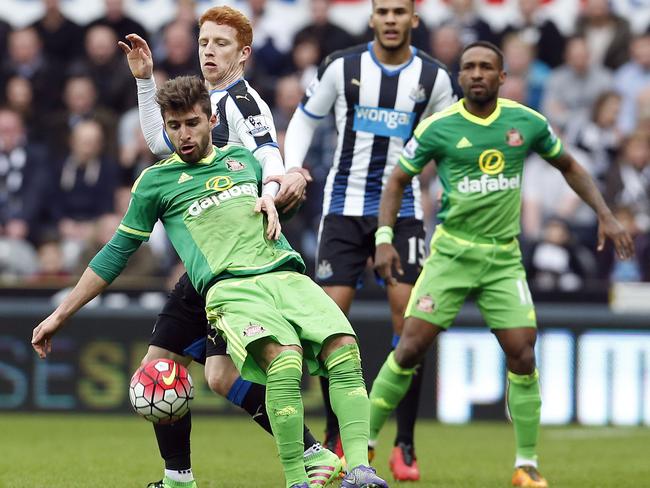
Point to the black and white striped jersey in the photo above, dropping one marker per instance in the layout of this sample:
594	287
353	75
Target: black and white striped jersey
243	118
376	108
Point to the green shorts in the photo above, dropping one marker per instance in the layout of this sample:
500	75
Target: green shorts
285	306
459	266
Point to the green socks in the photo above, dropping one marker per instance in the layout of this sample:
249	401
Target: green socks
525	404
389	388
350	402
285	411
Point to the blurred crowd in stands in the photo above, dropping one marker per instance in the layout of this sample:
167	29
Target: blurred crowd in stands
70	143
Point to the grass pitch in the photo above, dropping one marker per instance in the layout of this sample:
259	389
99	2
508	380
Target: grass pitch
73	451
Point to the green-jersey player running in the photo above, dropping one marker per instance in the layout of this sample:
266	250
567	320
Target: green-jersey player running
479	145
207	200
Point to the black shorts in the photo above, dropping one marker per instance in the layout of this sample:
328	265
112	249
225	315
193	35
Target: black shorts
346	243
182	328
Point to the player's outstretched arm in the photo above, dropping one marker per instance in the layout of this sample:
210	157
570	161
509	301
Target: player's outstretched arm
608	227
140	60
386	256
88	287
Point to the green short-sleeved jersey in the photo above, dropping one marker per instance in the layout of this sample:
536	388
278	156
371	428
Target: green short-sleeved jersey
207	209
480	163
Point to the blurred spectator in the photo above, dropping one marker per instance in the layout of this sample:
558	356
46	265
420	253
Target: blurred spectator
288	94
141	264
135	155
598	136
537	30
51	262
329	37
305	55
557	261
607	34
631	78
25	58
573	87
80	103
271	45
628	182
115	18
546	194
446	48
18	259
515	88
19	97
24	179
106	66
87	182
180	51
62	38
519	57
463	16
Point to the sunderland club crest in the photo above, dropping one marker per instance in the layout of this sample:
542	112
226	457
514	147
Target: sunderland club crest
514	138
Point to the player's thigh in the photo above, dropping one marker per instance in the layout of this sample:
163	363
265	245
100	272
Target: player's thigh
156	352
504	298
344	246
314	315
181	324
220	373
245	311
410	245
341	295
441	289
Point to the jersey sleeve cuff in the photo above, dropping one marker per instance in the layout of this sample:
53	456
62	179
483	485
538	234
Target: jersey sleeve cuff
408	167
310	114
555	151
133	233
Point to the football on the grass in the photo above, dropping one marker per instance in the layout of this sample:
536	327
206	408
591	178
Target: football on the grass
161	391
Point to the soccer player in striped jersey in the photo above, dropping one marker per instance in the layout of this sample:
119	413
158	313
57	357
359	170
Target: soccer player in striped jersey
479	145
379	92
243	119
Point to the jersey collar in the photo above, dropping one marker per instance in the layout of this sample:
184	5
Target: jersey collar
388	72
206	160
478	120
228	87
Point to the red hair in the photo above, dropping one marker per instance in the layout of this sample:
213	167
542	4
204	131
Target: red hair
234	18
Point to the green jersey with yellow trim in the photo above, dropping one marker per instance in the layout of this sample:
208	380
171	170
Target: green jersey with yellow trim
207	209
480	163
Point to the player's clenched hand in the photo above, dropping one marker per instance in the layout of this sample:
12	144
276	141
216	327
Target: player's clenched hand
138	56
273	228
42	335
292	188
385	258
610	228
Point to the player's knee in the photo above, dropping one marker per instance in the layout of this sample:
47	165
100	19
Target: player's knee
334	343
218	382
522	361
410	352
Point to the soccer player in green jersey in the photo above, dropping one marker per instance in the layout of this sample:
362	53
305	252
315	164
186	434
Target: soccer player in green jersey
207	200
479	145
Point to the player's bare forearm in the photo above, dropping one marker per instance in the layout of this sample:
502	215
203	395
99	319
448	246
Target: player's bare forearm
88	287
581	183
391	197
584	186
